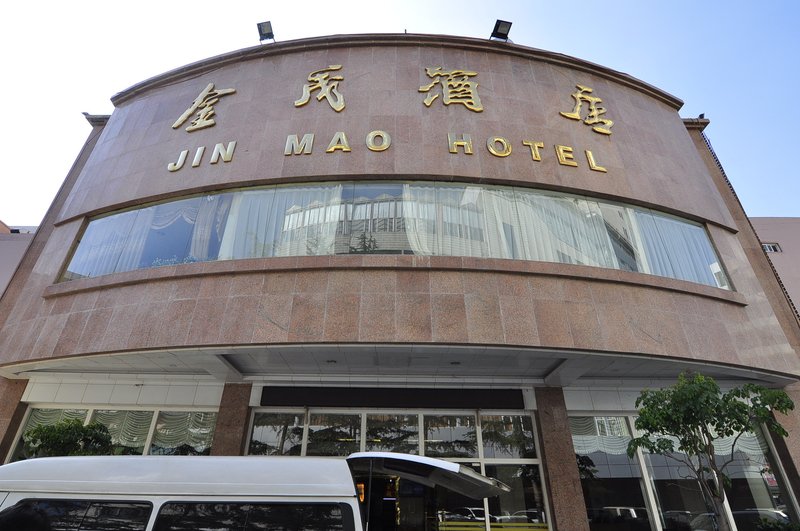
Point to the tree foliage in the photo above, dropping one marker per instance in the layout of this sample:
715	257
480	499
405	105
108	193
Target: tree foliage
683	421
68	437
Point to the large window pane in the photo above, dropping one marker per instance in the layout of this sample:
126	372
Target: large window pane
755	491
277	434
332	434
523	506
45	417
393	433
304	219
128	429
183	433
450	436
679	249
507	436
424	218
611	481
373	220
101	246
563	228
624	236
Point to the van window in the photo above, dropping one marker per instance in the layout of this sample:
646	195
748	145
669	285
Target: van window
94	515
233	516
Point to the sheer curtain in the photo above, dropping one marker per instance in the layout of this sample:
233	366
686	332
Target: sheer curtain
424	218
419	213
101	245
563	228
678	249
128	429
209	224
248	233
183	433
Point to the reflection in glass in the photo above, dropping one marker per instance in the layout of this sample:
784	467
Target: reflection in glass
333	434
507	436
450	436
128	429
95	515
191	516
277	434
393	433
183	433
423	218
523	506
45	417
611	481
754	492
623	233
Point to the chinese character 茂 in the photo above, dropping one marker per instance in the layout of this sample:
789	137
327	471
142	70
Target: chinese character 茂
456	88
593	118
203	105
327	85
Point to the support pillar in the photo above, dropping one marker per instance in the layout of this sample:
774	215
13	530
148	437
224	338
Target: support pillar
788	448
12	411
568	512
230	433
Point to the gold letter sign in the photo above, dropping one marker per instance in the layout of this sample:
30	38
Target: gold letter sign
457	88
204	106
327	86
583	95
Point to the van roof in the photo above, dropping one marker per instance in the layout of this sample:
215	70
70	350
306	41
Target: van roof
181	475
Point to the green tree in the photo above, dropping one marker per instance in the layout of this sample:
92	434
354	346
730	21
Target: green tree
68	437
683	421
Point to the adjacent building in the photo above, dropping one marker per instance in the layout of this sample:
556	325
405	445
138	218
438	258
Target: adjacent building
780	239
13	243
445	246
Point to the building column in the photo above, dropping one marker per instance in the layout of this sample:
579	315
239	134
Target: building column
568	510
788	448
12	410
230	433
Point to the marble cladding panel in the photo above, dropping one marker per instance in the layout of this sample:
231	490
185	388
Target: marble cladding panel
409	305
649	156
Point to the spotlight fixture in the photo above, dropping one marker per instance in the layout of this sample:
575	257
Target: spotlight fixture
265	31
501	29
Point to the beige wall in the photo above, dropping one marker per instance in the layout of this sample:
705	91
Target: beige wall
786	233
12	247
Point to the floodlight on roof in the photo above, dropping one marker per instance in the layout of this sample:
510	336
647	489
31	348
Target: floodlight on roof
501	30
265	31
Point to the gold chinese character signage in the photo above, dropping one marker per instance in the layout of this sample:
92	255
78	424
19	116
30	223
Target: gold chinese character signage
456	86
593	116
203	105
327	85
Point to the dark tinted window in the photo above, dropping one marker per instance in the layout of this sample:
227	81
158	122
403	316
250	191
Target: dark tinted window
94	515
228	516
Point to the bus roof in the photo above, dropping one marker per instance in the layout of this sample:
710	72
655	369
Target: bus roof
181	475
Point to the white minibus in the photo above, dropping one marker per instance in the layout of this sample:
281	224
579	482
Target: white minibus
182	493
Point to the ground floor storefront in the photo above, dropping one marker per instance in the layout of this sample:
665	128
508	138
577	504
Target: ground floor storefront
561	450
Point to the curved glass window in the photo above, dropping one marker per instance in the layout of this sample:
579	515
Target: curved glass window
421	218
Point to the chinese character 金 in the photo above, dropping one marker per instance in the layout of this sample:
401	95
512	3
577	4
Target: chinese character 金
203	105
456	88
327	85
595	111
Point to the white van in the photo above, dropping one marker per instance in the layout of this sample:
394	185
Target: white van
137	493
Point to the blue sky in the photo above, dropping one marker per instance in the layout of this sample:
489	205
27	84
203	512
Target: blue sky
735	61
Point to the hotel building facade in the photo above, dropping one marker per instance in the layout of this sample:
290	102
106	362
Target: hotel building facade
443	246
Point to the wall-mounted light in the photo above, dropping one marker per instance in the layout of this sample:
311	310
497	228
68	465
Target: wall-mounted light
501	30
265	31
